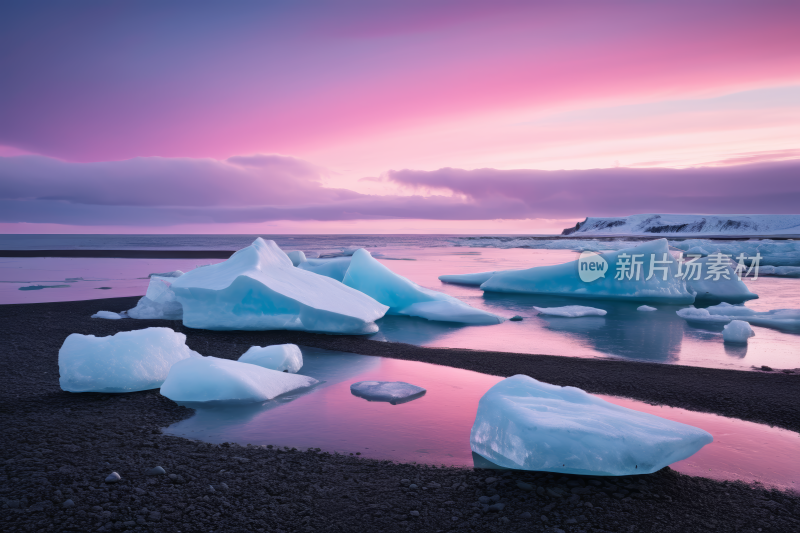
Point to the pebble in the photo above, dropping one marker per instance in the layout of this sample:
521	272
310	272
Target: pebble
155	471
484	499
515	318
497	507
495	497
113	477
414	513
412	486
490	480
67	504
526	514
543	518
524	486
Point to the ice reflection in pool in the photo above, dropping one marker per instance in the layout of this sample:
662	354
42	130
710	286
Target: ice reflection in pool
435	428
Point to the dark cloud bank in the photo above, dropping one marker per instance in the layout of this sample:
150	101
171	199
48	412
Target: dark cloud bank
166	191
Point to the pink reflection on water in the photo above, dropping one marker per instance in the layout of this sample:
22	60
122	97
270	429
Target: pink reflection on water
741	450
435	429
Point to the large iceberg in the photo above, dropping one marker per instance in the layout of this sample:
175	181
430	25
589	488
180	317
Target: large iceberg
334	268
715	279
737	332
529	425
159	302
209	379
624	277
785	319
394	392
126	362
280	357
405	297
258	288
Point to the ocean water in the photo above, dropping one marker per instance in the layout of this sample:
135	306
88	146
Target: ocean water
435	428
624	333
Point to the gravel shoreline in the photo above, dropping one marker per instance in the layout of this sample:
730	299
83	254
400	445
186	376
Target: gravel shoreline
57	449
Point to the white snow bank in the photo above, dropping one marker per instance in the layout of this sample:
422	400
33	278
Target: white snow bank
404	297
737	331
108	315
159	302
126	362
646	308
571	311
259	289
297	257
565	280
723	313
393	392
529	425
687	224
334	268
280	357
209	379
475	279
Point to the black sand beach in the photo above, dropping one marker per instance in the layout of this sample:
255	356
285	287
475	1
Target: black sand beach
59	447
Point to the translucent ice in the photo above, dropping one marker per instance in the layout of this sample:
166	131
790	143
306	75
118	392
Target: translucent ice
571	311
173	274
528	425
646	308
280	357
297	257
619	283
209	379
786	319
724	287
108	315
475	279
405	297
737	331
333	268
259	289
393	392
126	362
159	302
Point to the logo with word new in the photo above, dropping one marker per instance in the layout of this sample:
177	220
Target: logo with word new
591	266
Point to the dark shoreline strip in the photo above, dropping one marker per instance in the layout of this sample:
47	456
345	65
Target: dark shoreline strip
122	254
769	398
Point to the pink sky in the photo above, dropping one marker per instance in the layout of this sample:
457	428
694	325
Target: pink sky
359	90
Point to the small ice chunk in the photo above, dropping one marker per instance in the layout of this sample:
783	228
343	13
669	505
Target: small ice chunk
646	308
525	424
737	332
784	319
159	302
280	357
571	311
259	289
404	297
126	362
393	392
109	315
113	477
209	379
173	274
297	257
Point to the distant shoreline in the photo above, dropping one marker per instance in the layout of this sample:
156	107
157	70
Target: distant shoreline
123	254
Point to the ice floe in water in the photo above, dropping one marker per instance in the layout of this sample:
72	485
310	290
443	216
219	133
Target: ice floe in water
126	362
788	319
529	425
280	357
781	271
333	268
714	278
209	379
393	392
159	302
475	279
108	315
737	332
297	257
258	288
646	308
404	297
571	311
632	285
